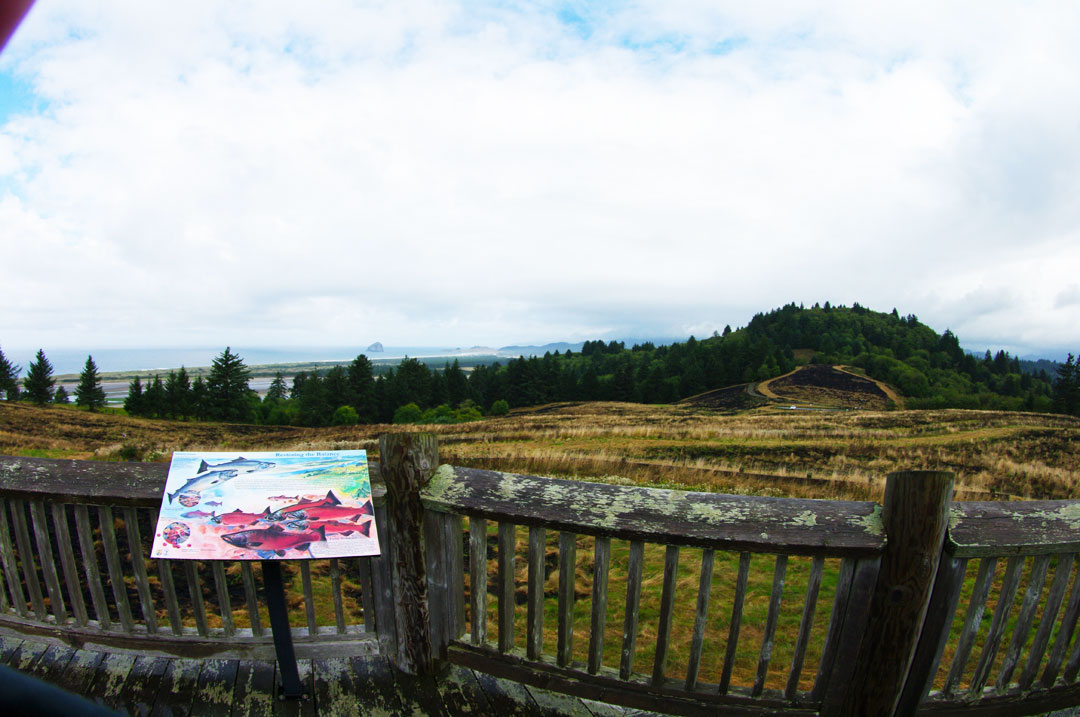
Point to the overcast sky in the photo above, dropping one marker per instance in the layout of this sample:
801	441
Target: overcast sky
432	173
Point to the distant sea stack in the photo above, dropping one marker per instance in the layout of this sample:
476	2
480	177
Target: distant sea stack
376	347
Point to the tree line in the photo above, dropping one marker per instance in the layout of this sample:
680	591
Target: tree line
931	370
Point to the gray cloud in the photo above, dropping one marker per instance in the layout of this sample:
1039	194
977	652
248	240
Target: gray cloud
432	173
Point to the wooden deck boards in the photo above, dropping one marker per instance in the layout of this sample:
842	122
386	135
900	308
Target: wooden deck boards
147	685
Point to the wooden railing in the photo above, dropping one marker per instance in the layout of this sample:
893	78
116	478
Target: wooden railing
75	541
666	600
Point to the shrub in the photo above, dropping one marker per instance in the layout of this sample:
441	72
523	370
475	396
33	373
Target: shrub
409	413
345	416
500	408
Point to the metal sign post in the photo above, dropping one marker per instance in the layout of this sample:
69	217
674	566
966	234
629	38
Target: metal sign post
279	626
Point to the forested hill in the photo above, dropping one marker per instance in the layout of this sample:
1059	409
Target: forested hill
929	369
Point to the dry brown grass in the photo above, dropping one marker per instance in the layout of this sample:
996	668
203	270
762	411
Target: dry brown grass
806	454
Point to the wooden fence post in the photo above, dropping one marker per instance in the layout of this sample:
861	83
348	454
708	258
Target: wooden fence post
406	463
915	517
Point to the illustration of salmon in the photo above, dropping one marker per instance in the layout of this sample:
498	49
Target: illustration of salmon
196	514
330	527
283	497
213	502
329	508
241	465
239	517
204	480
274	539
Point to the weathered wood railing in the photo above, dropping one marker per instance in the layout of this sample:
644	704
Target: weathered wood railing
678	602
75	542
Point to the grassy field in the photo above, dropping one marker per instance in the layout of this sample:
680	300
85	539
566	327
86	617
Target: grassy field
844	454
767	451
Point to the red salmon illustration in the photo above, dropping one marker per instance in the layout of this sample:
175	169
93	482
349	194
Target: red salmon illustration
331	527
239	517
274	539
329	508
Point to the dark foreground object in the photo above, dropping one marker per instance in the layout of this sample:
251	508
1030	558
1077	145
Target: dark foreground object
144	685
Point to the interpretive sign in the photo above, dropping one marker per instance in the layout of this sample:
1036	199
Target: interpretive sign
283	505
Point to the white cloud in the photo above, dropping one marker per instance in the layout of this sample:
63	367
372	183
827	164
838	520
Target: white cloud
267	173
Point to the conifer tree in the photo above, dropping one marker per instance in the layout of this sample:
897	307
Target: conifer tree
61	395
178	394
278	391
39	380
134	404
89	392
9	377
227	388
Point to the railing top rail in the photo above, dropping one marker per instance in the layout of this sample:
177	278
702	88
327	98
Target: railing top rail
95	482
977	528
1037	527
70	481
726	522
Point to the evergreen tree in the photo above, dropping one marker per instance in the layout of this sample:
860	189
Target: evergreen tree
178	394
39	380
134	403
362	386
61	395
456	387
200	399
278	391
89	392
154	399
227	388
1067	388
9	377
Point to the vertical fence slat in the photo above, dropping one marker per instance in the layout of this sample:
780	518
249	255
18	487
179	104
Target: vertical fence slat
601	561
736	621
172	605
835	629
936	630
770	625
138	564
507	536
1048	620
309	597
534	638
385	624
454	540
367	593
7	553
667	609
813	585
1009	585
67	561
168	588
972	619
251	597
435	570
48	560
116	574
633	602
198	607
857	616
90	564
567	564
335	590
26	556
478	580
221	583
1024	621
1073	666
1068	625
5	604
697	641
